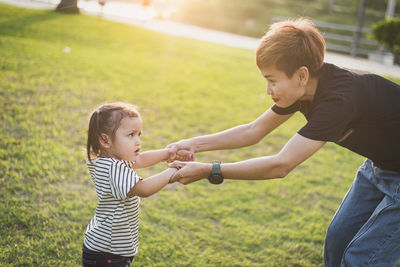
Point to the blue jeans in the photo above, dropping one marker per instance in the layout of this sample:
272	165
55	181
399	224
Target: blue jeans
365	230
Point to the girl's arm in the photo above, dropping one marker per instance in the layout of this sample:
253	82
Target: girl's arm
236	137
152	157
149	158
153	184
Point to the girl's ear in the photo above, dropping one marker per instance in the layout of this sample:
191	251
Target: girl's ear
105	140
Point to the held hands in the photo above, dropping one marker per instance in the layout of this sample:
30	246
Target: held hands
181	150
189	172
182	155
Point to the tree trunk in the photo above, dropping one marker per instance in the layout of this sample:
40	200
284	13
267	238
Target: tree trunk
68	6
331	3
360	23
391	6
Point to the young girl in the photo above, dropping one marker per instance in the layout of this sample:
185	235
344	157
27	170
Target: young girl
111	238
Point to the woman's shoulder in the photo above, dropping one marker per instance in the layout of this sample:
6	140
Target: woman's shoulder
332	76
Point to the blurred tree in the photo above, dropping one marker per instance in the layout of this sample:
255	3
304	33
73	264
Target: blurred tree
68	6
360	23
390	8
387	32
331	4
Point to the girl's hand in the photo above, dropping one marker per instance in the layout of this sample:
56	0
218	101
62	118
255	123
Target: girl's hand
172	171
190	171
182	155
183	151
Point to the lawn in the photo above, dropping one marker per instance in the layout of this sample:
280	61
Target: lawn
183	88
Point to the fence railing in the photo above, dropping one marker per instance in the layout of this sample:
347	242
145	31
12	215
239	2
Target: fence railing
342	38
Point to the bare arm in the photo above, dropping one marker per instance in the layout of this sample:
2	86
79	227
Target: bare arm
149	158
297	150
236	137
153	184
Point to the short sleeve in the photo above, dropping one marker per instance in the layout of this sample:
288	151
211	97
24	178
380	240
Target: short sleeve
329	120
288	110
122	179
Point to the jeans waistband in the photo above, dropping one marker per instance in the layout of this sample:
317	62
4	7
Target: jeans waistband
90	254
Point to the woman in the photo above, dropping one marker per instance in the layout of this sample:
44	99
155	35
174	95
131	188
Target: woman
358	111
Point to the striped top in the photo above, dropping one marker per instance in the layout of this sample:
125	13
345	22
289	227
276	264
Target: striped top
115	226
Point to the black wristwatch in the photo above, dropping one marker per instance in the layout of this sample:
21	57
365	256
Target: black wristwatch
216	176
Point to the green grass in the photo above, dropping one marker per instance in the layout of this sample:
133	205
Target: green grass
183	88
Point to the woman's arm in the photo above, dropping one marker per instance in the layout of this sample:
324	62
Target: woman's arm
153	184
236	137
297	150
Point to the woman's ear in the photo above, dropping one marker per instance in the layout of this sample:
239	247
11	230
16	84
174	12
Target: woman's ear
105	140
303	75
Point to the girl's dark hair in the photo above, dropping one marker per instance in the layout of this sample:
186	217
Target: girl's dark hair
106	119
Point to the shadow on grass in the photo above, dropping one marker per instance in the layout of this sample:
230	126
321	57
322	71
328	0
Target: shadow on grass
14	26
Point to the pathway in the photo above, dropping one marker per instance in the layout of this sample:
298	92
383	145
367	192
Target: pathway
135	14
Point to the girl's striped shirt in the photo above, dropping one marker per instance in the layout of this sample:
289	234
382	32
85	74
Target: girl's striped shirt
115	226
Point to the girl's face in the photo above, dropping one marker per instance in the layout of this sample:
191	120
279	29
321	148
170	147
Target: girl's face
126	143
284	91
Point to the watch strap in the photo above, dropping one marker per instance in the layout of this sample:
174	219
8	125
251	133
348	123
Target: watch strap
216	168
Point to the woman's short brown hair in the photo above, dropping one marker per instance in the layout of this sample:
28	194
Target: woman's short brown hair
106	119
290	44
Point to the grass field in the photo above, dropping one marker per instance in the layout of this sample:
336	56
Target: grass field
183	88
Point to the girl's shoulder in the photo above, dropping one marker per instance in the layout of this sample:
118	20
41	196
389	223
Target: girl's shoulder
100	161
108	162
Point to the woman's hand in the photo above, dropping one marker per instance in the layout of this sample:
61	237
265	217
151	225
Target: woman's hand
182	150
182	155
190	172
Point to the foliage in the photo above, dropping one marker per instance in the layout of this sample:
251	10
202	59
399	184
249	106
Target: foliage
387	32
253	17
183	88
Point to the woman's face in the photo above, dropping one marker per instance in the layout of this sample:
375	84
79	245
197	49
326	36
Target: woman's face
284	91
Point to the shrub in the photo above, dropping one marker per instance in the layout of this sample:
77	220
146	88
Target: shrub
387	32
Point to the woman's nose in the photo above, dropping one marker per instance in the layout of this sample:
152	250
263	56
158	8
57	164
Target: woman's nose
268	89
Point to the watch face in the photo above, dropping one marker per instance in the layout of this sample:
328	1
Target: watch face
215	179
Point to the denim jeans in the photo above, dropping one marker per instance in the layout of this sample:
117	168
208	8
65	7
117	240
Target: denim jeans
365	230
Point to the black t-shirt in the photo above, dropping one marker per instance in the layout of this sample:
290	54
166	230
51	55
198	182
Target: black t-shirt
359	112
